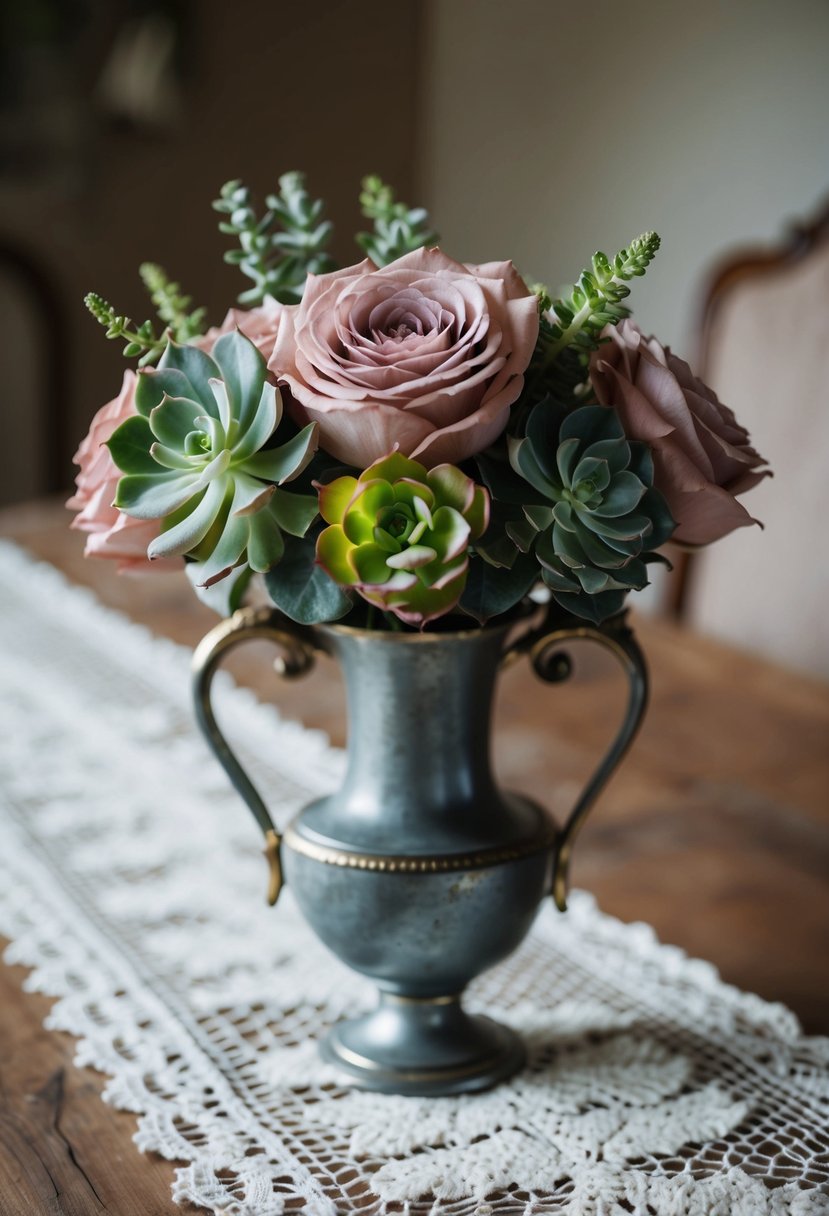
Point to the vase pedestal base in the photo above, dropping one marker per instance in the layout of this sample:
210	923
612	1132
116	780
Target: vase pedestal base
423	1046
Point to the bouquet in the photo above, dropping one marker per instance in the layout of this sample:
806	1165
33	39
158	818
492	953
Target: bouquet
406	443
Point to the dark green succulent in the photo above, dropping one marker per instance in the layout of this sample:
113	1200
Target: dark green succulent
599	518
200	456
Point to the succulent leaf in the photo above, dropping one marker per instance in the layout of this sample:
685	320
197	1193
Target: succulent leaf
129	446
606	516
399	535
198	370
288	460
224	597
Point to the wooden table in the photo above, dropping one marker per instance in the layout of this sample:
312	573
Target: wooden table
716	831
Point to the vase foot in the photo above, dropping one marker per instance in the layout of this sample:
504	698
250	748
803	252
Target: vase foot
423	1046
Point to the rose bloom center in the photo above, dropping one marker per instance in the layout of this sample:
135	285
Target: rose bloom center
406	317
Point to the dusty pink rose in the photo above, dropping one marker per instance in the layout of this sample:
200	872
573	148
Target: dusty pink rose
111	533
260	324
702	456
424	355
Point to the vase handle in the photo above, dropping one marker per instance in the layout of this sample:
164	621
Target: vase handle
296	659
553	665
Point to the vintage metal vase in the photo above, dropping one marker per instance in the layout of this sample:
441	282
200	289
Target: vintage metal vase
419	872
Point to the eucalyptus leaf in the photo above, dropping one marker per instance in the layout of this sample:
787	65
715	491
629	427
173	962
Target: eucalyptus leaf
302	590
490	591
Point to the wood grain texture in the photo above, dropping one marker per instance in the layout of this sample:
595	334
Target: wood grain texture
63	1152
715	831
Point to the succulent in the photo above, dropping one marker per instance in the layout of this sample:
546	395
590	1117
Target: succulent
599	517
400	534
199	455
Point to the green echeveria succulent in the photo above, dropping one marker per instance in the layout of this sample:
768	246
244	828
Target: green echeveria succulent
400	535
195	456
605	518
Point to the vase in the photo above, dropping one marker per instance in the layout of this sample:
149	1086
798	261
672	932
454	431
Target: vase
419	872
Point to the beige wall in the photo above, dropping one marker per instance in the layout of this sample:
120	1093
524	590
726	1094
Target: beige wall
551	129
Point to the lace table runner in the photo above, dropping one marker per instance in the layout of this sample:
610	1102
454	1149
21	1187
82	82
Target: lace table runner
131	882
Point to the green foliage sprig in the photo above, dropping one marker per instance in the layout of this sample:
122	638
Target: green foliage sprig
278	260
595	300
398	229
570	327
140	340
171	304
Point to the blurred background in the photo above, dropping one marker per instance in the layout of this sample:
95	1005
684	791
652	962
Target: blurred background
538	131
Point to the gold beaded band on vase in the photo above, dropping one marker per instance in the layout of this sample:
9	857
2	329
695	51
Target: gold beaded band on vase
441	864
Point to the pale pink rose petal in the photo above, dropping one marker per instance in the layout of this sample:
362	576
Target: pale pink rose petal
451	444
381	428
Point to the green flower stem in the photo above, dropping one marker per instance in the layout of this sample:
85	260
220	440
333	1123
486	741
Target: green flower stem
142	341
575	326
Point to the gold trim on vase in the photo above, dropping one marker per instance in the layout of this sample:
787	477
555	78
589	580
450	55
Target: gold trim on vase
442	864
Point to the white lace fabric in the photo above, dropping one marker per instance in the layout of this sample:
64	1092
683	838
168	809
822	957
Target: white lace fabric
131	883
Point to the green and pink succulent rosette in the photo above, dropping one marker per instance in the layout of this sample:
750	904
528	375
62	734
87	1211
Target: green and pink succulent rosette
399	534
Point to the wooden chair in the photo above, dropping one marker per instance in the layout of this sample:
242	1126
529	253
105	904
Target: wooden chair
765	348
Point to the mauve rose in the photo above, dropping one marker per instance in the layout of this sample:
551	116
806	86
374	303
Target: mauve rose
111	533
423	355
702	456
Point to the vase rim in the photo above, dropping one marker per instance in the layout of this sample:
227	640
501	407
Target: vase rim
390	635
447	635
